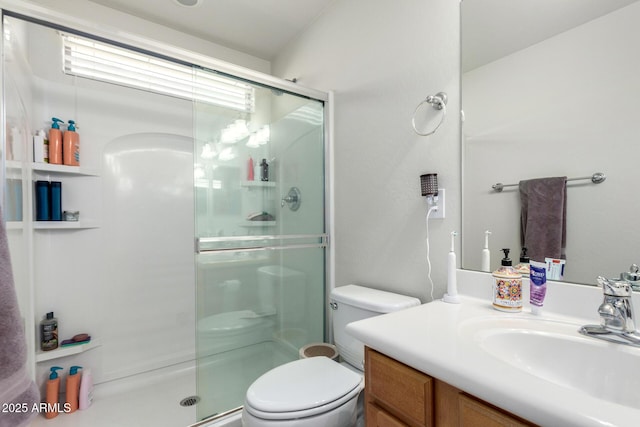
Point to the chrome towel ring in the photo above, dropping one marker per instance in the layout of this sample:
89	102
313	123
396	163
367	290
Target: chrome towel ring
438	102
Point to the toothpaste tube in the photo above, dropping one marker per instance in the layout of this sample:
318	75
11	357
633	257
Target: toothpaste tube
538	285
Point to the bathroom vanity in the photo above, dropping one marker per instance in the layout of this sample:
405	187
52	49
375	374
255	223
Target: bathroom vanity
398	395
443	364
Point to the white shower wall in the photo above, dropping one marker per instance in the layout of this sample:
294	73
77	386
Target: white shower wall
130	282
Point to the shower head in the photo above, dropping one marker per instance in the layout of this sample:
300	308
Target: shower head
429	184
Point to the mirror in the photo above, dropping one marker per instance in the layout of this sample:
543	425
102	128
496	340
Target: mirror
551	88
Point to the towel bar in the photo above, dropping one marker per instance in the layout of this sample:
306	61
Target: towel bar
596	178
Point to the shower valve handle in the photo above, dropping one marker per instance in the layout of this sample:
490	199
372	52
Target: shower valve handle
293	199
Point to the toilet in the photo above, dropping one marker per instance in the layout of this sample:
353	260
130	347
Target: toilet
318	391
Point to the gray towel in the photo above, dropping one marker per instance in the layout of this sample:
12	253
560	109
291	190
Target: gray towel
15	385
543	210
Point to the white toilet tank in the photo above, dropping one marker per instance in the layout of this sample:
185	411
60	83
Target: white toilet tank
353	302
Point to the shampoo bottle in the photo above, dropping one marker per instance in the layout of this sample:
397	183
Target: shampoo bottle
264	170
40	147
486	255
56	201
507	292
53	390
86	390
43	201
71	145
250	169
73	389
55	142
49	333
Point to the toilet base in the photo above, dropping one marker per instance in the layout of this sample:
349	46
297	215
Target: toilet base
346	415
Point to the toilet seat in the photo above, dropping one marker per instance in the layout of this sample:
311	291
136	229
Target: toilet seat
302	388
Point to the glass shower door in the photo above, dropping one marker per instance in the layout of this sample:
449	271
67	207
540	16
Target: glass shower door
260	238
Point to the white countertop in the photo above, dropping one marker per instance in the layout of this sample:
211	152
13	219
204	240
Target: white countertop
428	339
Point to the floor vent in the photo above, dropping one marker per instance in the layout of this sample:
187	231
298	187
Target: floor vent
189	401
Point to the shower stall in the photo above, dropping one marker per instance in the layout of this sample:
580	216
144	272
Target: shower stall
260	239
201	196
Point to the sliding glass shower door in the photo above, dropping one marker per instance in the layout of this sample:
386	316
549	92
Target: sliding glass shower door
260	236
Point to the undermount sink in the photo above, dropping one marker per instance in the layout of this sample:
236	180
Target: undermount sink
554	351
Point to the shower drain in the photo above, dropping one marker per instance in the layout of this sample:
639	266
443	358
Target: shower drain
189	401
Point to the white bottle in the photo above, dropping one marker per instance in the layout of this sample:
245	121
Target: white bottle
452	286
486	255
85	396
40	147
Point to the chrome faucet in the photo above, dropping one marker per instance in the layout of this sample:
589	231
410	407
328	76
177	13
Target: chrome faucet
616	314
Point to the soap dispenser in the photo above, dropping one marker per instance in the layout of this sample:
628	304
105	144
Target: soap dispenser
507	292
55	142
73	389
71	145
52	393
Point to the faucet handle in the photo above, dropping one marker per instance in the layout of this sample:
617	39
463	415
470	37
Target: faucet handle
615	287
632	276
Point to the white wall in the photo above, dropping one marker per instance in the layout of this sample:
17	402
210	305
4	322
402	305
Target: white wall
381	58
93	18
134	296
564	107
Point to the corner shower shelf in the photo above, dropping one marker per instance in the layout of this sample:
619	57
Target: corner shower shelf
258	224
62	169
262	184
42	356
64	225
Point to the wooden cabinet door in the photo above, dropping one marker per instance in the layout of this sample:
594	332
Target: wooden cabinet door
397	395
473	413
399	389
377	417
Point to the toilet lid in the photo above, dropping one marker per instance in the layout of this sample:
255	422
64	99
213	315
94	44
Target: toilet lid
302	385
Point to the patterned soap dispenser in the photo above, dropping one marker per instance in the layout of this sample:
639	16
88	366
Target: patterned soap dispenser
507	290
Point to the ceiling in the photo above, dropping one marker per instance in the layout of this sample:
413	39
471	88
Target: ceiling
492	29
260	28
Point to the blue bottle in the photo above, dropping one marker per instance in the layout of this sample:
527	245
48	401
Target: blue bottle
42	201
56	201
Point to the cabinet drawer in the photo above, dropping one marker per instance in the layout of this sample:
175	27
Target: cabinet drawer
377	417
399	389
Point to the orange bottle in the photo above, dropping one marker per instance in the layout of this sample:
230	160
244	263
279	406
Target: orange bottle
73	389
55	142
71	146
53	390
